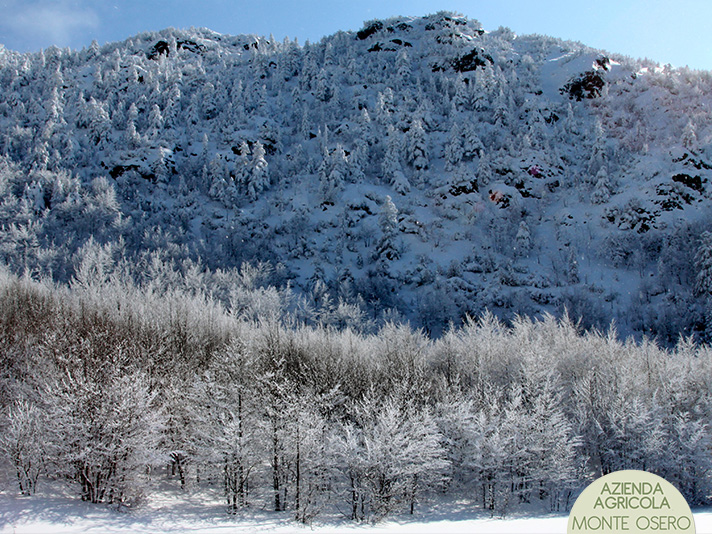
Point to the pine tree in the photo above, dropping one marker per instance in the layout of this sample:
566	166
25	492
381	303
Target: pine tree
572	271
98	121
472	146
387	249
385	106
155	122
416	146
403	67
400	183
358	159
258	177
331	184
454	150
391	168
599	153
602	190
324	90
703	265
523	240
484	170
463	181
464	99
689	137
132	137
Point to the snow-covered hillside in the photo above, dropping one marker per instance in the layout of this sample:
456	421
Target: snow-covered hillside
420	168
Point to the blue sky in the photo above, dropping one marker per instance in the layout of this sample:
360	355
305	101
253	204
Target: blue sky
662	30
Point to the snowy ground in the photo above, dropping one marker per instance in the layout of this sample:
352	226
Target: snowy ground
196	514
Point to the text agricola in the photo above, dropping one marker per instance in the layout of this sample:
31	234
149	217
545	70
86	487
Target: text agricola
631	496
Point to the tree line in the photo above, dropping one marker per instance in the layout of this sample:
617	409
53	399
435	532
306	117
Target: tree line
115	385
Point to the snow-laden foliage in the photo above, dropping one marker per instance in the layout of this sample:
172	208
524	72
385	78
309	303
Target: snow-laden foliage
121	389
221	150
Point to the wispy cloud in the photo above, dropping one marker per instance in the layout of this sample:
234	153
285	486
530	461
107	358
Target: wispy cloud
37	24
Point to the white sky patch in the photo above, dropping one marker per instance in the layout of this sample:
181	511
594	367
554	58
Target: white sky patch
48	22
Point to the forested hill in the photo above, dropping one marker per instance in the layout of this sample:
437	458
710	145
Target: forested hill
420	169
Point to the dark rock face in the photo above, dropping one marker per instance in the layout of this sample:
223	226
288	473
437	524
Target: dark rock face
444	21
673	198
464	189
159	49
391	46
691	160
370	30
588	85
403	27
190	46
693	182
162	48
473	60
604	63
118	170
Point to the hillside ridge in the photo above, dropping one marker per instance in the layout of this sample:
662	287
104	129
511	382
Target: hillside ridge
418	169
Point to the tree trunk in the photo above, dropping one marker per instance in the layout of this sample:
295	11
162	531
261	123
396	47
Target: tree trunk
275	468
298	474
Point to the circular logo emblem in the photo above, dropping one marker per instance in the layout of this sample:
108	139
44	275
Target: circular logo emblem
631	502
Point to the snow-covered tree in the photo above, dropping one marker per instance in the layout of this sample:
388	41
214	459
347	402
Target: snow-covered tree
416	147
324	91
392	168
26	441
472	146
454	150
390	458
258	178
333	173
228	430
602	190
403	66
155	122
385	106
107	432
689	137
523	240
703	265
131	135
387	247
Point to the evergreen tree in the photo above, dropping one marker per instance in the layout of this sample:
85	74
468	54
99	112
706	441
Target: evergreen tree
602	190
703	265
155	122
484	171
403	66
387	248
572	270
416	146
258	177
472	146
391	168
689	137
324	90
385	106
132	137
599	155
454	150
523	240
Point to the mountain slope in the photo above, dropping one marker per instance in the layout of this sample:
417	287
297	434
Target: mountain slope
421	165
